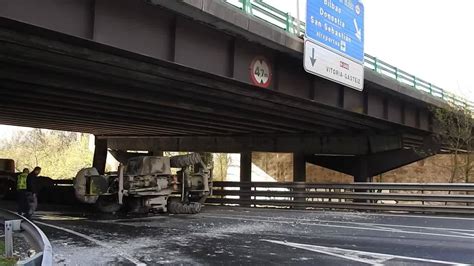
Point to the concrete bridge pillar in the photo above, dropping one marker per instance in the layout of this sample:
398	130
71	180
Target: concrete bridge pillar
299	167
299	175
246	166
245	173
100	155
361	173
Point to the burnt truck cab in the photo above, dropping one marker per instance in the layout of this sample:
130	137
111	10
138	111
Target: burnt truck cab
148	184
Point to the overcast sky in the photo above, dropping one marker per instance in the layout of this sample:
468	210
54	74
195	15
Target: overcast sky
431	39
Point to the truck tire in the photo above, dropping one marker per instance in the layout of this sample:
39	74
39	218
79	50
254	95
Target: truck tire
175	206
181	161
108	204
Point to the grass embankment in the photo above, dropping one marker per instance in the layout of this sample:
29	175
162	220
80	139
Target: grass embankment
6	261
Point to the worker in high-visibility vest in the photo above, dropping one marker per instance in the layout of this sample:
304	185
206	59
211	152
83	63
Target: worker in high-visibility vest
21	186
31	190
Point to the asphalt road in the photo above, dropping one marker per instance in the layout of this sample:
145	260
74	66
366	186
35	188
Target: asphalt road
259	237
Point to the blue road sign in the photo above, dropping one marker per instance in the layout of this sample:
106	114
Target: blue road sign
337	25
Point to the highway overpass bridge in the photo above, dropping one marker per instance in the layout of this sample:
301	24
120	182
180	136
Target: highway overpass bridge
174	75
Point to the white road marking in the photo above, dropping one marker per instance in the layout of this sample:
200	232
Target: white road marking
97	242
419	227
370	258
385	228
359	223
461	233
417	216
366	226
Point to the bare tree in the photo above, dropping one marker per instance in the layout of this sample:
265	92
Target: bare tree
60	154
454	128
221	164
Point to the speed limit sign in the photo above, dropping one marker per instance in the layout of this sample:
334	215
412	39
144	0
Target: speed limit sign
260	72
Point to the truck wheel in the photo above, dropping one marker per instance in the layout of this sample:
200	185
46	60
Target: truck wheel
195	207
108	204
175	206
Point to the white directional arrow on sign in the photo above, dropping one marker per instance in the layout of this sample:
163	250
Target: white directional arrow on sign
312	58
358	33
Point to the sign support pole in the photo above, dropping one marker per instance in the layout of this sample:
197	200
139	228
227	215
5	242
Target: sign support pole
298	30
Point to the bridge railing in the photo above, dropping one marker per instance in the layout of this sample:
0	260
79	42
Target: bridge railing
406	197
285	21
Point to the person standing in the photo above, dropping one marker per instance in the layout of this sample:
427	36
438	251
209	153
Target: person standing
32	200
21	186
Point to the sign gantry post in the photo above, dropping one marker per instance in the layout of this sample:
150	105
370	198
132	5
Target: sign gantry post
334	41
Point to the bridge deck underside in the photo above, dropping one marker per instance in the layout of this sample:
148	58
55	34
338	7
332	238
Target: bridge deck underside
51	80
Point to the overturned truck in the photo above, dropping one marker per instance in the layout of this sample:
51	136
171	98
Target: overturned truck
147	184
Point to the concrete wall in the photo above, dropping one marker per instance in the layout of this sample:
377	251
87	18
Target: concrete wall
431	170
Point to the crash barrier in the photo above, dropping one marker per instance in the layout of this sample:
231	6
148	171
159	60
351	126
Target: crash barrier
265	11
407	197
35	237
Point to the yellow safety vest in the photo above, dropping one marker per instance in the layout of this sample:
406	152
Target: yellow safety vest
21	181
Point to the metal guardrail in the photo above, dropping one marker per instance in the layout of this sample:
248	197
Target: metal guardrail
284	20
36	238
407	197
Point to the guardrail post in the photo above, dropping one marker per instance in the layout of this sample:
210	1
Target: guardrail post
247	6
431	89
376	64
396	73
422	193
8	239
10	226
289	23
